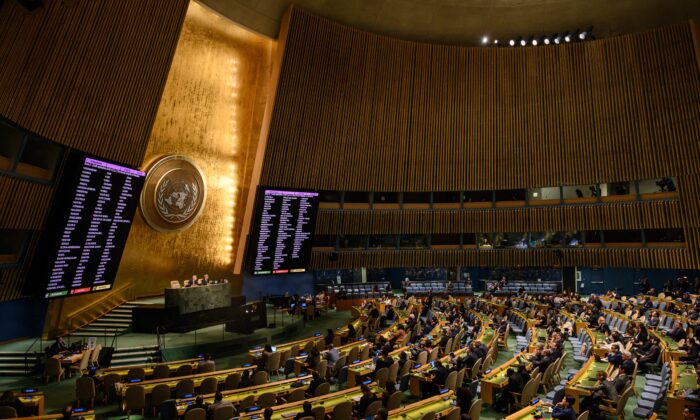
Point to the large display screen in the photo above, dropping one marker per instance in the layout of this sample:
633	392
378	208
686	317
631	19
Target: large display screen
282	235
87	228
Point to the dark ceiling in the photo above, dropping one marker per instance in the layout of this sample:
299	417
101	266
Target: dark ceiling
465	22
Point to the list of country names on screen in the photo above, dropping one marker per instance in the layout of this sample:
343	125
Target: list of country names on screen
97	223
284	237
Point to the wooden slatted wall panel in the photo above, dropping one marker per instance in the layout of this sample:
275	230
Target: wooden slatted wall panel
85	74
640	258
358	111
88	74
644	215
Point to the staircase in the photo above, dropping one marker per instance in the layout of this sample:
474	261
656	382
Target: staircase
115	322
14	364
135	355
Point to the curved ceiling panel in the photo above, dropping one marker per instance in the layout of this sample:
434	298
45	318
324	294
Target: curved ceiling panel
466	21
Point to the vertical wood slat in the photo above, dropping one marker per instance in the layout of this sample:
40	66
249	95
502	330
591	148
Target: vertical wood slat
88	75
393	115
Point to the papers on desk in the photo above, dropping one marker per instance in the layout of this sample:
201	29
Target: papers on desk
288	415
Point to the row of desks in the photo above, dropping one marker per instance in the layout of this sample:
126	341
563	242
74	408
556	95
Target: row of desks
683	379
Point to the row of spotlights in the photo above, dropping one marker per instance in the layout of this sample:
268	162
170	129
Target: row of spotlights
556	39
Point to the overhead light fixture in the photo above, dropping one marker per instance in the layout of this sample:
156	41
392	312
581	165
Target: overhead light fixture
557	39
511	42
484	40
523	42
495	41
534	42
567	38
546	41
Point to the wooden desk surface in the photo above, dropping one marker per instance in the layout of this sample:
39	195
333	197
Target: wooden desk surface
585	377
88	415
328	401
32	400
148	386
526	413
235	396
148	367
440	405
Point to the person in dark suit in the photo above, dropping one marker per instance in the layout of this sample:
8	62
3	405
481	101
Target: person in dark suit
366	399
677	333
651	356
384	361
316	380
615	356
515	384
524	374
307	412
58	347
564	410
441	373
603	389
198	403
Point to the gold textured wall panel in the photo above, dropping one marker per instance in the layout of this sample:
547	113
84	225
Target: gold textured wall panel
87	75
210	111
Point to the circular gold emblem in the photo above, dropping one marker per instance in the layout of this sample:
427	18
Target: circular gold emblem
174	193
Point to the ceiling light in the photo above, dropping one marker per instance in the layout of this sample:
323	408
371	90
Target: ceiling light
534	42
495	41
567	38
484	40
523	42
546	41
511	43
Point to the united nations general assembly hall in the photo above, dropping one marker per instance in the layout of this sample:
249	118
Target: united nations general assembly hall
350	209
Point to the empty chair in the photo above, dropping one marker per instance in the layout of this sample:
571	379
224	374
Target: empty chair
225	412
136	373
394	401
322	389
161	372
82	366
85	391
451	381
108	386
460	378
393	372
343	411
267	399
298	394
583	416
209	386
381	376
183	387
159	393
246	402
475	409
455	414
273	363
135	400
53	369
422	357
196	414
428	416
322	368
373	408
433	354
7	412
319	412
260	377
205	368
232	381
184	370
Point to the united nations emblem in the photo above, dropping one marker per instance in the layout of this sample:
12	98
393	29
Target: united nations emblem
174	194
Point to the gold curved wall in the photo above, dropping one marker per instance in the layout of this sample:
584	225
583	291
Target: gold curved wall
355	111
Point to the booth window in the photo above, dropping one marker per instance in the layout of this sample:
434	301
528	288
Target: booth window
445	240
664	236
414	241
324	241
478	196
353	242
383	241
629	236
27	155
329	197
356	197
510	240
12	245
